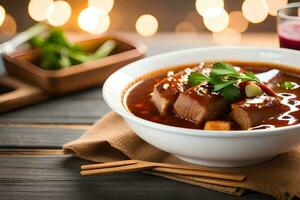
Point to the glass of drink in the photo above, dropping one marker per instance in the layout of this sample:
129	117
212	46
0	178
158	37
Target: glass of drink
288	26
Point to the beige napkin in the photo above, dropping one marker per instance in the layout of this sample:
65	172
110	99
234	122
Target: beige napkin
111	139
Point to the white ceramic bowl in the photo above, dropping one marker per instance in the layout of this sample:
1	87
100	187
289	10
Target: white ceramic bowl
210	148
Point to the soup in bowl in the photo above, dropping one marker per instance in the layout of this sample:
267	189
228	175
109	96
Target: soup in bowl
218	106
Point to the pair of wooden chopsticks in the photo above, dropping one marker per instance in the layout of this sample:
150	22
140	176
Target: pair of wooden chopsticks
137	165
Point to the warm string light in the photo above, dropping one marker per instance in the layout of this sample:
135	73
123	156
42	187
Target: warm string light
255	11
39	9
274	5
105	5
216	19
9	26
146	25
59	13
204	6
93	20
2	15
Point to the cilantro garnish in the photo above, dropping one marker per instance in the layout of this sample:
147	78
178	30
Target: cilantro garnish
231	92
196	78
288	85
224	78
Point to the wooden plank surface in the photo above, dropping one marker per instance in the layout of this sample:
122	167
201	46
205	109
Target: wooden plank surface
58	178
81	108
43	138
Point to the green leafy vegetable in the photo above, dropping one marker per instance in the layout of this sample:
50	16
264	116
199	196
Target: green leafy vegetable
231	92
224	78
221	85
57	52
220	69
252	76
287	85
196	78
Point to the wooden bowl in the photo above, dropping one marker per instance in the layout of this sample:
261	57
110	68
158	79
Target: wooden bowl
78	77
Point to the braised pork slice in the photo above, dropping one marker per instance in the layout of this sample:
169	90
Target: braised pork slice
198	104
167	90
252	112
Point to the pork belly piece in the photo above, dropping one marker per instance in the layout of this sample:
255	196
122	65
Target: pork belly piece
167	90
253	112
198	105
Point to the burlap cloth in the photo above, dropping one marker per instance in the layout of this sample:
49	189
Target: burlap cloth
111	139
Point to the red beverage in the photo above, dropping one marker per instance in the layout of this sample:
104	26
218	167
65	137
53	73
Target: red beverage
289	35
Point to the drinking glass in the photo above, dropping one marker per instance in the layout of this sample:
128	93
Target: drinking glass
288	26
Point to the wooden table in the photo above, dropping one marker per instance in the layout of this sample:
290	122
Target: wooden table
32	165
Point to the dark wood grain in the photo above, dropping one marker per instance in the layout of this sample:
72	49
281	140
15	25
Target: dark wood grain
81	108
58	178
43	138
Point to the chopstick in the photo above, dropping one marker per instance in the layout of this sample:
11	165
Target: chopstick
201	173
108	164
137	165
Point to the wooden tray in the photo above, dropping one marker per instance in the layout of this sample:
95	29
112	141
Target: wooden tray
78	77
15	93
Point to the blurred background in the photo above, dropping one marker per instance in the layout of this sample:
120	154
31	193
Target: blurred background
221	18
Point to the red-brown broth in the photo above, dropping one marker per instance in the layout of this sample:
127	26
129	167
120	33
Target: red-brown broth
138	97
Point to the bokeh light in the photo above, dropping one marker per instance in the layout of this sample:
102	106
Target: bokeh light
105	5
39	9
274	5
60	13
216	21
2	15
227	37
93	20
237	21
103	25
146	25
203	6
185	27
9	26
255	11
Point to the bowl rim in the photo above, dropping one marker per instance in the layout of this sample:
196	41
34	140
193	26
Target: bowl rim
125	113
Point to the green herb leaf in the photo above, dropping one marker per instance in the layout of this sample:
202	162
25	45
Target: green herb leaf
224	78
221	69
252	76
221	85
196	78
57	52
37	41
287	85
231	92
